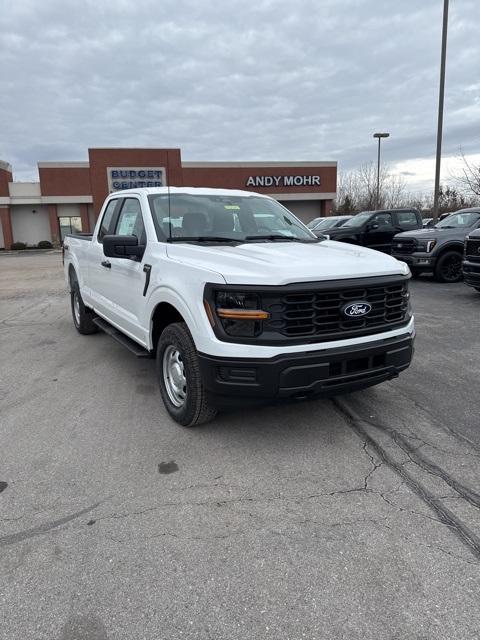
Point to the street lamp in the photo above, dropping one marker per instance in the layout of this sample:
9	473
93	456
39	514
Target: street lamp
379	136
441	94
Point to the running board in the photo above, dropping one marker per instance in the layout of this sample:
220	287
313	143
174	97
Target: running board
120	337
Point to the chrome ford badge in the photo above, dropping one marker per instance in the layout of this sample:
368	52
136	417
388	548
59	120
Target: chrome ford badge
356	309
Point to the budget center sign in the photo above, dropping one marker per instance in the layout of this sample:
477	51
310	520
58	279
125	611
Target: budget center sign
134	177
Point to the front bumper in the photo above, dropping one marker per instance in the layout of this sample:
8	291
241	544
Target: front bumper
471	273
307	374
419	261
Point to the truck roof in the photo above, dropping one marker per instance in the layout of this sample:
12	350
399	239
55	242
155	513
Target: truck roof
194	191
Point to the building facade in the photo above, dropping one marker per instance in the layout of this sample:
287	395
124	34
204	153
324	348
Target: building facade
69	195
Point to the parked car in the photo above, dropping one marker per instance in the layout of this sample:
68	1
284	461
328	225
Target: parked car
332	222
471	260
439	249
313	223
375	229
233	313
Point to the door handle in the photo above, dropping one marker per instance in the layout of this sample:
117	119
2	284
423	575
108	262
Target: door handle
107	264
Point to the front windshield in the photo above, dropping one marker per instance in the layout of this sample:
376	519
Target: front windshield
459	220
358	220
219	218
329	223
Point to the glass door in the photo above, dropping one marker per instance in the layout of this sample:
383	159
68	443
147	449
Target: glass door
69	224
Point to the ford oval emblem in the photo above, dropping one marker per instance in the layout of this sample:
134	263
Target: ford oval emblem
356	309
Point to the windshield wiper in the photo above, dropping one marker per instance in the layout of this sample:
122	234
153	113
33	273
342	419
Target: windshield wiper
274	236
202	239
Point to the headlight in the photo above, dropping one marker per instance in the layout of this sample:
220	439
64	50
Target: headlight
239	313
425	245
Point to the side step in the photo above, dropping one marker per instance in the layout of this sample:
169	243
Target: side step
124	340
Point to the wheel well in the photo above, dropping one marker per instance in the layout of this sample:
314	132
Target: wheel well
72	276
452	247
163	315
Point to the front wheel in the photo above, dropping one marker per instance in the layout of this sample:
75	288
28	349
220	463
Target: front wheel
179	378
449	267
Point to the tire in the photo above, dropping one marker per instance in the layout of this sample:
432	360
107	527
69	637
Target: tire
449	267
82	317
179	378
477	289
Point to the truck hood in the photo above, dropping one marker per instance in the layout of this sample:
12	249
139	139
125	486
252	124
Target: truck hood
433	232
277	263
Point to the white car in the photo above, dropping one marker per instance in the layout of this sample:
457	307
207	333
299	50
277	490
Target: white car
237	300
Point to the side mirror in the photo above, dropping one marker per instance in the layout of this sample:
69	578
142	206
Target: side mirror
122	247
373	226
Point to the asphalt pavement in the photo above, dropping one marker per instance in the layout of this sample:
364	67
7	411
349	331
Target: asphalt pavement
353	518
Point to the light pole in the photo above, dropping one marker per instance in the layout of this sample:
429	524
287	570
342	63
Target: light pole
440	111
379	136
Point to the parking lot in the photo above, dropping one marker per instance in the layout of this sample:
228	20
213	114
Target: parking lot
357	517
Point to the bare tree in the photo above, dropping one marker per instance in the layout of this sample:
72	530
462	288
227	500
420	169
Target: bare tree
357	190
469	177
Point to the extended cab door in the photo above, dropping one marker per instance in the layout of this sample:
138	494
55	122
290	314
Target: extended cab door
407	221
126	278
98	266
379	232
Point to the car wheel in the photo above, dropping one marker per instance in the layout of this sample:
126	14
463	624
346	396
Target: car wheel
82	317
449	267
477	289
179	378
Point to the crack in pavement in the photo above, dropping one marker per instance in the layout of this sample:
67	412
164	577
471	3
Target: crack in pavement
445	516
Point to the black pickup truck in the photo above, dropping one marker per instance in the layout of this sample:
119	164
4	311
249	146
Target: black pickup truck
375	229
471	260
438	249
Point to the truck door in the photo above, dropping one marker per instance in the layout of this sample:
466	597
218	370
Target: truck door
126	278
379	232
98	271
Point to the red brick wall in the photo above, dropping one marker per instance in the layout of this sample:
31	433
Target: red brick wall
236	178
5	178
65	181
100	159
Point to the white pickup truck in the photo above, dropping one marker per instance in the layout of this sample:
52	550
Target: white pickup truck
237	300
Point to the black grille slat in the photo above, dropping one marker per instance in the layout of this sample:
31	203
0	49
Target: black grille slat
406	246
317	313
472	250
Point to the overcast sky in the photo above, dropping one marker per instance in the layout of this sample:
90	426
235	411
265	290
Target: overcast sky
237	80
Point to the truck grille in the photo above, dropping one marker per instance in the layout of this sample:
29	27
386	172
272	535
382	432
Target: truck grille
406	246
472	250
316	312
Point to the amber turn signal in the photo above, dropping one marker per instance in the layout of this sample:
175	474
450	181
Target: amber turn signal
243	314
208	310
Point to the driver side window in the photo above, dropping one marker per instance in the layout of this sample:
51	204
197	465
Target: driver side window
382	219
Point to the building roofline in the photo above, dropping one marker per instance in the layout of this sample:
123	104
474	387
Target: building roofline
247	165
63	165
6	166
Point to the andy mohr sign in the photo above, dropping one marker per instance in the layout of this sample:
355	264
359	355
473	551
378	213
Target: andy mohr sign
283	181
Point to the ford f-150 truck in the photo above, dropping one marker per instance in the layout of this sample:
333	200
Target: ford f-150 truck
237	299
438	249
471	260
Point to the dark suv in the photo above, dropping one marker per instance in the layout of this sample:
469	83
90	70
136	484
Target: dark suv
438	249
471	260
375	229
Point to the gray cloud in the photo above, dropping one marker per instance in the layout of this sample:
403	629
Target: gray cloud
273	80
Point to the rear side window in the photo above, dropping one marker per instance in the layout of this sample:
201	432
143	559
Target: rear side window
107	219
130	220
407	219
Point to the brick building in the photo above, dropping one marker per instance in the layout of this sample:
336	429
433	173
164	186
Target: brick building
69	195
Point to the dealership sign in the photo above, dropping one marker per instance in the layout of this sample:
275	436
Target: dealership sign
283	181
135	177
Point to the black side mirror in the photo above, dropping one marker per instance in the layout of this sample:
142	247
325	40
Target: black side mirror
122	247
373	226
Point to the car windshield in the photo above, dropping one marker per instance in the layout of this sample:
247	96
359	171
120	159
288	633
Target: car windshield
358	220
316	221
330	223
222	218
462	219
